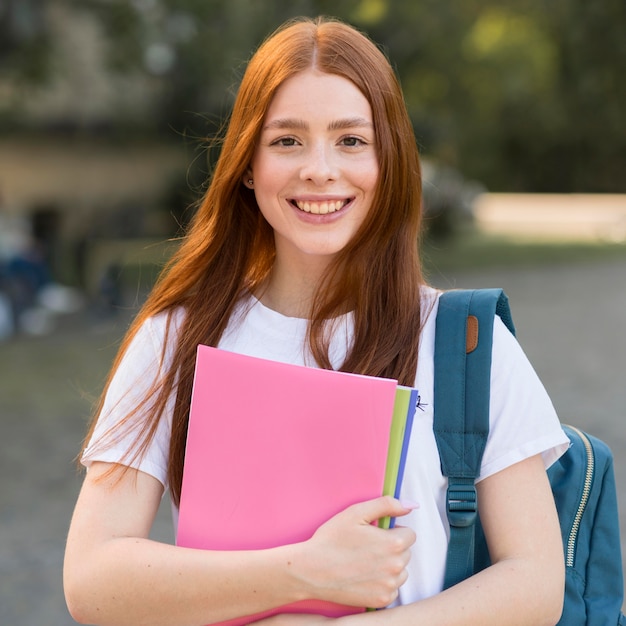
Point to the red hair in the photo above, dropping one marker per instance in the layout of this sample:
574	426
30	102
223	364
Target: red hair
229	249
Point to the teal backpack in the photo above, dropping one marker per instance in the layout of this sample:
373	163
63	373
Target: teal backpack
582	479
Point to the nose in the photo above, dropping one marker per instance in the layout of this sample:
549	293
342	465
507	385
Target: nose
319	165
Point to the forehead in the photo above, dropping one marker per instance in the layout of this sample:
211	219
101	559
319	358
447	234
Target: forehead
313	94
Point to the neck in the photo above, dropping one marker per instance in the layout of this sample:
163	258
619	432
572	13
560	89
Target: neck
290	288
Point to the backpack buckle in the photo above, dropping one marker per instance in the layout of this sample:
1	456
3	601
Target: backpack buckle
462	504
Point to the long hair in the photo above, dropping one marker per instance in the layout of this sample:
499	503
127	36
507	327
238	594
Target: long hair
229	249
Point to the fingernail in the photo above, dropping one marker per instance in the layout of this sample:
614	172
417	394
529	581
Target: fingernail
409	504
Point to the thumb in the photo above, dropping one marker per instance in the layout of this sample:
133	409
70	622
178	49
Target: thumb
385	506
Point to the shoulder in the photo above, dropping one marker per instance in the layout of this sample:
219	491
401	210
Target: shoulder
429	304
429	297
157	336
162	326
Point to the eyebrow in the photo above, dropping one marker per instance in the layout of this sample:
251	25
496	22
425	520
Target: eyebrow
342	124
350	122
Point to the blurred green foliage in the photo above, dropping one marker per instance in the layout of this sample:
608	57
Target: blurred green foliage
523	95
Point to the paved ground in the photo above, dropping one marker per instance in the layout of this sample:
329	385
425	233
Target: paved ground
553	216
570	320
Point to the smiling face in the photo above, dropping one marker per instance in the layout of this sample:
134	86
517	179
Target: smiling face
315	168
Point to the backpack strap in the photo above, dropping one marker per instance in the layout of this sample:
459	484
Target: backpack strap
463	340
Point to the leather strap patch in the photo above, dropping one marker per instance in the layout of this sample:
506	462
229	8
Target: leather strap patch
471	338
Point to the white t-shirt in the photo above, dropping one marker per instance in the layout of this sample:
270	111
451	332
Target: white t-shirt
523	422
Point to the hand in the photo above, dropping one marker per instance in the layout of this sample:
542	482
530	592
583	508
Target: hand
351	561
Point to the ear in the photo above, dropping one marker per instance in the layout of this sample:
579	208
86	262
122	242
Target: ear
248	179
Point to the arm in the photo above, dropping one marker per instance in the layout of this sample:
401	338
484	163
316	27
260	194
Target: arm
114	574
524	586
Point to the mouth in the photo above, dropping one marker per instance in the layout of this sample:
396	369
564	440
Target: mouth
320	208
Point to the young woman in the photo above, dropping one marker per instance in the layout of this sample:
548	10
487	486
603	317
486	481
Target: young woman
305	250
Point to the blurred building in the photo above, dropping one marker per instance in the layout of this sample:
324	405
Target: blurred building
73	159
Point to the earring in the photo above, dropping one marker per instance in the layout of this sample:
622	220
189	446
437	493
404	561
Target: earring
250	182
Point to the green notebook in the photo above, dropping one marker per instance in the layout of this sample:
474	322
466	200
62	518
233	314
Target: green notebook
401	426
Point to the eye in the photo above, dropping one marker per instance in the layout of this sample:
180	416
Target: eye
352	142
285	142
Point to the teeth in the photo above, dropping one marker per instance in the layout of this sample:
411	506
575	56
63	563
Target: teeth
320	208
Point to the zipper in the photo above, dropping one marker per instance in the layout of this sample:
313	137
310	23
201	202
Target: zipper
573	535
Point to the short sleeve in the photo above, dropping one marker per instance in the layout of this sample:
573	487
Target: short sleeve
523	421
117	434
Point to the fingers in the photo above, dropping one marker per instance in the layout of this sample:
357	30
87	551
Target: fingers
387	587
352	561
385	506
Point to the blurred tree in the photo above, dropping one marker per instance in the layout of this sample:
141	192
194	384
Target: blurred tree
589	152
24	42
195	48
520	94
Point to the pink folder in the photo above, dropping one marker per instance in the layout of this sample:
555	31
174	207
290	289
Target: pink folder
274	450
